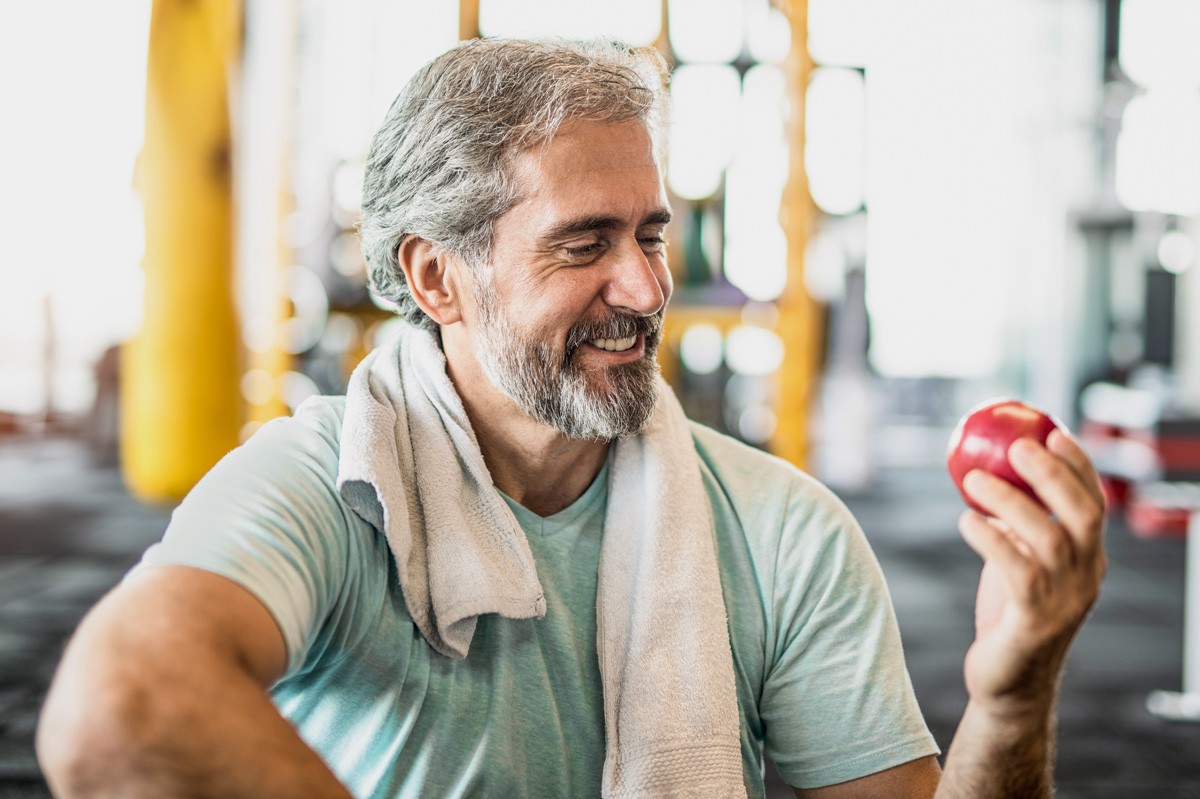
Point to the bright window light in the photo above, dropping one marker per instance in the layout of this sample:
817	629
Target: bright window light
366	52
756	256
397	55
837	31
755	245
945	164
74	120
1158	155
765	99
768	34
705	31
704	115
634	21
342	33
835	139
1159	42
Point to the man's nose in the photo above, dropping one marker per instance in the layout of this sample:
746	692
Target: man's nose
639	283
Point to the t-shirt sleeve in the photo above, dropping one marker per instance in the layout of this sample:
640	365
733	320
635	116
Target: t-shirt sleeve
837	701
267	517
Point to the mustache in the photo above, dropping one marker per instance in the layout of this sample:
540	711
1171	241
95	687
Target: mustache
616	326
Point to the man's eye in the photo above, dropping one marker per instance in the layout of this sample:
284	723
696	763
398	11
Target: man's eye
653	243
585	250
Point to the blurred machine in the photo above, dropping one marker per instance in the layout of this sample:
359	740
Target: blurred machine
1147	448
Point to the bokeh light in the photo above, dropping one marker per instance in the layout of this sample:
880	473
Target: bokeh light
753	351
702	348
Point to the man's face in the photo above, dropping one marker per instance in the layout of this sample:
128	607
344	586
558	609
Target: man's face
570	307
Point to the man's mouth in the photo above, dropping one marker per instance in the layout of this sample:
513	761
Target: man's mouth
616	334
614	344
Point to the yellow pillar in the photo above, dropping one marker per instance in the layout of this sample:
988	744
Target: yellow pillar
468	19
799	315
180	409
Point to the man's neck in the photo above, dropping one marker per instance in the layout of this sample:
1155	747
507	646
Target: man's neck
529	461
545	474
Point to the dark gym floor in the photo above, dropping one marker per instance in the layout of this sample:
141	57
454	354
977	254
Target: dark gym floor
68	531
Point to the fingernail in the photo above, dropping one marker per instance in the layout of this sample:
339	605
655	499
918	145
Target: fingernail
974	480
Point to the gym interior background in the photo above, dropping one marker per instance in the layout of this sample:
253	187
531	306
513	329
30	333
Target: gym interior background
885	213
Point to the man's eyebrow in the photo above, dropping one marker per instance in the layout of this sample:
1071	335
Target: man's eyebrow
583	224
660	217
580	224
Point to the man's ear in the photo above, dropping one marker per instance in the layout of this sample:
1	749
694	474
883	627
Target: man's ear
427	269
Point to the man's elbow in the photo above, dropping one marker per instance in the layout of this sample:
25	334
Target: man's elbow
93	731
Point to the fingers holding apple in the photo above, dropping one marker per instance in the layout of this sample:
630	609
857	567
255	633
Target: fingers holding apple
984	436
1017	523
1009	442
1077	510
1037	523
1030	452
1067	486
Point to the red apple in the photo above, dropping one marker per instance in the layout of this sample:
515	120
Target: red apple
982	439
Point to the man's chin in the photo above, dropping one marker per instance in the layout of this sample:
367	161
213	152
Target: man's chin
619	406
582	400
606	432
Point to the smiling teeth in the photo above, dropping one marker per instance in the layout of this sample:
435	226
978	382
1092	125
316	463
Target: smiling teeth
613	344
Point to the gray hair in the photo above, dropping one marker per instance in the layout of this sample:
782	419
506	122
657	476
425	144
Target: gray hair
438	167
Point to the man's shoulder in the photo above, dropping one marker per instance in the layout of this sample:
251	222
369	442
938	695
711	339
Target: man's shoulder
738	467
314	428
300	450
321	414
720	448
765	491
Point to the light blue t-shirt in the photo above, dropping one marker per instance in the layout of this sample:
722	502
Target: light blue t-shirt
821	681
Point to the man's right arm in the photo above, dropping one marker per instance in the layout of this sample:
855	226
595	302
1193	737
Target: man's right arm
162	693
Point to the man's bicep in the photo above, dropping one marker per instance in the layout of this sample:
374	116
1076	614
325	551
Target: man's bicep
181	612
161	693
268	517
837	703
917	779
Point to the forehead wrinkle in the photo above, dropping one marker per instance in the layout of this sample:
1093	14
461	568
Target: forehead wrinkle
533	172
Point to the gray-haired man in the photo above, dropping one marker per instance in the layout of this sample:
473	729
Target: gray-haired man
505	565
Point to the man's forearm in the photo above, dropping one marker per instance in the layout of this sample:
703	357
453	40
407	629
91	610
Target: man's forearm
188	743
1000	755
234	745
149	703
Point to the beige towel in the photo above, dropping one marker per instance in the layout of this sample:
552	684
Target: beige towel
411	465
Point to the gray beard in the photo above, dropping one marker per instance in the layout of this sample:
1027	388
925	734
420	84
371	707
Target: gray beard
553	388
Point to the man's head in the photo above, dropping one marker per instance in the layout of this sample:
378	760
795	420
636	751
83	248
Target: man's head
440	165
527	177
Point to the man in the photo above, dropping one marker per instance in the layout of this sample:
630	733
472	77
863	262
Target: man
504	565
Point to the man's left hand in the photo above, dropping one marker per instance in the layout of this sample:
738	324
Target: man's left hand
1042	572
